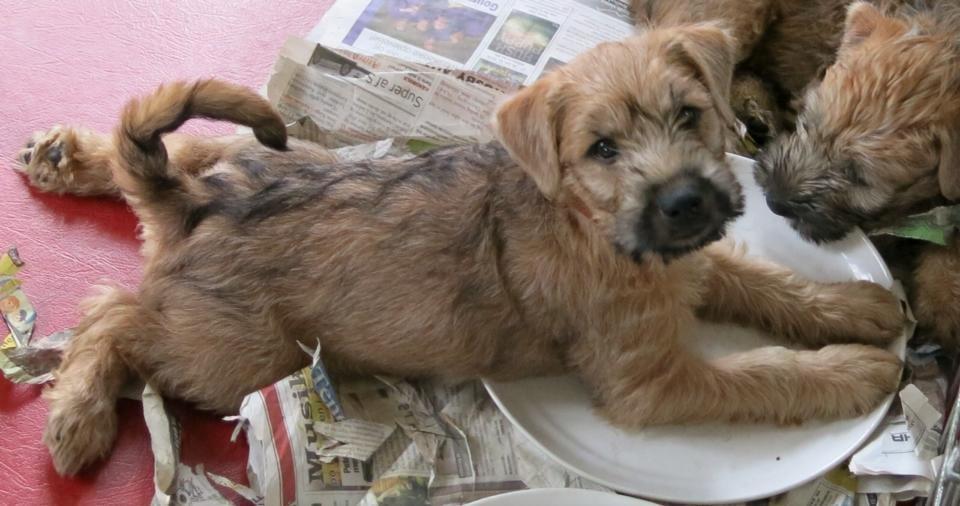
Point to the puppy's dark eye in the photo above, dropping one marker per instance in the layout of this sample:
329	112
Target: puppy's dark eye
604	149
853	174
688	117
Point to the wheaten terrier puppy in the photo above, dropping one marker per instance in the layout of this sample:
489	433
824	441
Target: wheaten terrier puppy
583	241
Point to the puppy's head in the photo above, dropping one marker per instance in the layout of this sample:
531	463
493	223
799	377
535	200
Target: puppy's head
878	136
633	133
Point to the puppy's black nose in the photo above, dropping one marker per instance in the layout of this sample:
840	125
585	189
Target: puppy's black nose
681	200
779	207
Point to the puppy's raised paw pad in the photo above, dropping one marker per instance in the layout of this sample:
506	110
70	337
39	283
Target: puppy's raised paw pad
55	153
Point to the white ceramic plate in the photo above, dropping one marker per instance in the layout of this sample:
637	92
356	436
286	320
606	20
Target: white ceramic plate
560	497
706	464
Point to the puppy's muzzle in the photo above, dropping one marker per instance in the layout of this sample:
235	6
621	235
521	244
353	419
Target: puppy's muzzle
781	207
686	206
811	225
683	214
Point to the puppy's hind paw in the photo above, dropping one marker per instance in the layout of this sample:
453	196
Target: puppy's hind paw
857	378
46	159
78	432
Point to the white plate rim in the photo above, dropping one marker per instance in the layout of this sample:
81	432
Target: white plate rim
544	493
856	234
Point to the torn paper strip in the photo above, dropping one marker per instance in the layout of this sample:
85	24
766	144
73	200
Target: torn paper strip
923	421
34	364
164	442
242	490
352	438
891	453
194	489
15	308
23	357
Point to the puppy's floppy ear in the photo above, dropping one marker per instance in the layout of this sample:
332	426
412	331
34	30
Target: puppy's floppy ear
525	126
949	171
862	19
710	51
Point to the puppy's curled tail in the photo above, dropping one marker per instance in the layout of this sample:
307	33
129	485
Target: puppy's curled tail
144	174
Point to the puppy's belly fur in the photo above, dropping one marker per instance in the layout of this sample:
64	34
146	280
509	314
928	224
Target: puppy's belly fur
401	268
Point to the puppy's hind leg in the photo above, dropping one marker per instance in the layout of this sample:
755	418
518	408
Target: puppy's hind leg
80	161
771	297
936	293
771	384
82	421
69	160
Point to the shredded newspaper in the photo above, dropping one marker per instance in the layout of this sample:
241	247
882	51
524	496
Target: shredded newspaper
23	357
397	442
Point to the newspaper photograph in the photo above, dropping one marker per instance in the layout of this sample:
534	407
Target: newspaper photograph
514	41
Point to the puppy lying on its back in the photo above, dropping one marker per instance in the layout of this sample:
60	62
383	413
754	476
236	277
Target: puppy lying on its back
581	243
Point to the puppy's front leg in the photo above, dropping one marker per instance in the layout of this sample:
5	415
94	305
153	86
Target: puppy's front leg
771	384
767	296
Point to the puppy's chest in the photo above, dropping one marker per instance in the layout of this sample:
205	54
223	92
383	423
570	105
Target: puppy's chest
652	288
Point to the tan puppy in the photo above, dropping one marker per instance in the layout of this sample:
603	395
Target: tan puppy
880	136
782	46
879	139
581	243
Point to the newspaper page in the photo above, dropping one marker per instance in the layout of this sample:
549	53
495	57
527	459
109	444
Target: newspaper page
428	70
514	41
351	99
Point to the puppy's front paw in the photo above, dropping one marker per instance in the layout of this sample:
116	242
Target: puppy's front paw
855	378
864	312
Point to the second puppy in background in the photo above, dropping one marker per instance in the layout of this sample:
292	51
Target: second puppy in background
782	46
879	139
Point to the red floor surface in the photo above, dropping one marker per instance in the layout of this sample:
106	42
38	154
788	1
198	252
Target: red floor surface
76	63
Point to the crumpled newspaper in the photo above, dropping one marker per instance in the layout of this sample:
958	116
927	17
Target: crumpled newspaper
15	308
176	483
889	463
939	226
398	442
902	459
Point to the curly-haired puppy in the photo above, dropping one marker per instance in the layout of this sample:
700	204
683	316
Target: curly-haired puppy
581	242
782	46
878	139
